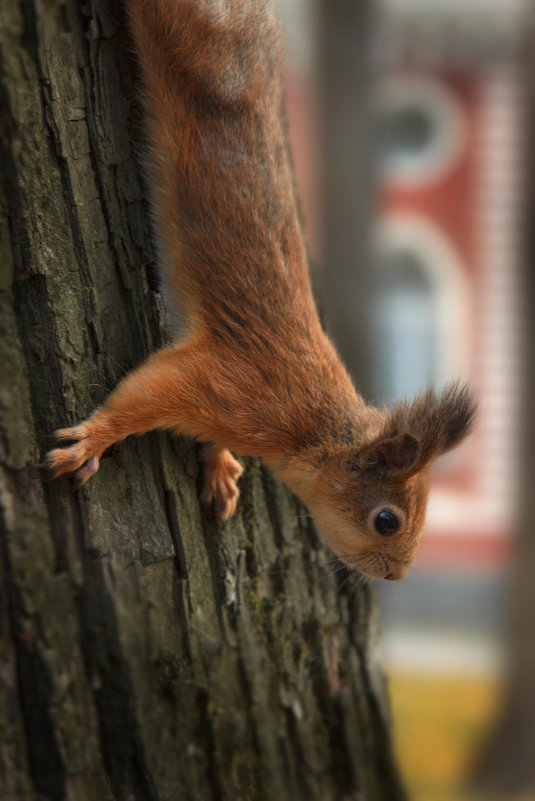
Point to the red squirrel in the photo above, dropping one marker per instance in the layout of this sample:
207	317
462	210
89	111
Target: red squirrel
254	373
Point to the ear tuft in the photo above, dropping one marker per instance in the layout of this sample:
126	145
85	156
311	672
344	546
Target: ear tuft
438	421
457	412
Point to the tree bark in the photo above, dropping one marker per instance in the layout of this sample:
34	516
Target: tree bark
143	654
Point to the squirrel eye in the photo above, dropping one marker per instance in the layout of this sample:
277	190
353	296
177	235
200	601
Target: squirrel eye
386	522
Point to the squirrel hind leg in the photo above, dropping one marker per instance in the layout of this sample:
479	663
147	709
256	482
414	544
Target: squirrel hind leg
221	472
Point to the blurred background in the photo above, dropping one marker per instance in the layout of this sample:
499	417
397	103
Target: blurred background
409	131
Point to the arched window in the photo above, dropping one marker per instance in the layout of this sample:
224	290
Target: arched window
419	313
405	326
421	129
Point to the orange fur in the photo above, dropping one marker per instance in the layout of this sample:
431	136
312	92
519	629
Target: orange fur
220	490
256	374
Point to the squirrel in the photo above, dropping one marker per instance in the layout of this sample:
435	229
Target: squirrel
253	373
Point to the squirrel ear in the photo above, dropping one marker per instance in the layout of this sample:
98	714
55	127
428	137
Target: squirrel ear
438	421
415	433
398	454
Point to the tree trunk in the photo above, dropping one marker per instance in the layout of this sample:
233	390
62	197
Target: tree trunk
347	180
143	654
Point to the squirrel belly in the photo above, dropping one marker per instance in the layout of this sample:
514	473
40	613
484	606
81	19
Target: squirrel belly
255	373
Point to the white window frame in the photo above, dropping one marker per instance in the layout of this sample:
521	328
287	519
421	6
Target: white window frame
448	121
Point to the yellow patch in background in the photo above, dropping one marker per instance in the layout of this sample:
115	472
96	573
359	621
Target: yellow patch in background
440	725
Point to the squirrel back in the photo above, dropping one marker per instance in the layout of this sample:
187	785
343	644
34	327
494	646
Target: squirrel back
223	197
233	258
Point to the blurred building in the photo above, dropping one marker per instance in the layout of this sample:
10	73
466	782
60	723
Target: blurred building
445	291
447	278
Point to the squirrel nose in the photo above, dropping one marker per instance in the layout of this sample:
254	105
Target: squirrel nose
398	573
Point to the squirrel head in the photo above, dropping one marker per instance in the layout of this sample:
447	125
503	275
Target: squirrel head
369	501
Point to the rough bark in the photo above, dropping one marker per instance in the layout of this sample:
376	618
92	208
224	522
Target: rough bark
143	655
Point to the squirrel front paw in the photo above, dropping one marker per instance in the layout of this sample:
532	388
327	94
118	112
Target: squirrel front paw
82	458
221	472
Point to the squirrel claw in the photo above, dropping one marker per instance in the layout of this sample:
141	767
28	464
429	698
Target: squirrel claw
86	471
220	490
80	458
